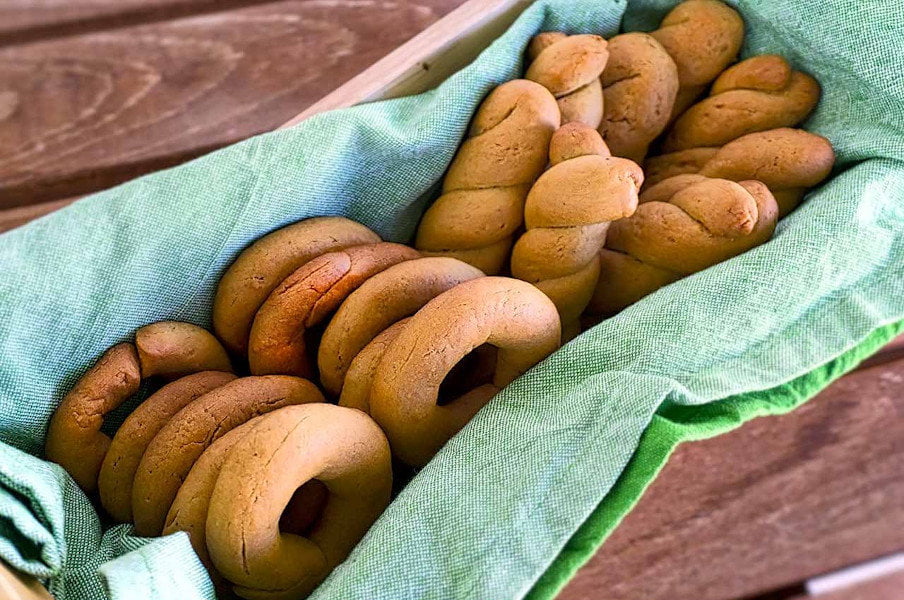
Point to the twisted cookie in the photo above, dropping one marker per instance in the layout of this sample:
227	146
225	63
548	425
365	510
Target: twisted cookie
682	225
133	436
397	292
757	94
269	260
787	160
639	86
74	440
567	214
180	442
277	343
570	67
482	204
703	37
341	447
512	315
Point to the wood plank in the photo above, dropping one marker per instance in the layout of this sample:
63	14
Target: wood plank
773	503
86	112
14	217
890	587
31	20
428	59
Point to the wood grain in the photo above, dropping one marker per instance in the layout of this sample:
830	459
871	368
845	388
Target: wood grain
773	503
30	20
83	113
428	59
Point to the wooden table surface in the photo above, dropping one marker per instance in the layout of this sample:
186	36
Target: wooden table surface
95	92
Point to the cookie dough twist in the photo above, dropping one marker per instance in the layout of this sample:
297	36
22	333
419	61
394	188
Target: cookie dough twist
703	37
482	201
787	160
567	214
569	66
683	225
640	83
757	94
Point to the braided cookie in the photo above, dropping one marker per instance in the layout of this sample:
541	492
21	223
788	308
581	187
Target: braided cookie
342	448
180	442
541	42
172	349
567	214
757	94
639	86
74	440
682	225
397	292
658	168
269	260
703	37
189	510
277	342
787	160
132	438
512	315
360	374
482	204
569	66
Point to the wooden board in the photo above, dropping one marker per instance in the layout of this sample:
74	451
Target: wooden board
27	20
82	113
773	503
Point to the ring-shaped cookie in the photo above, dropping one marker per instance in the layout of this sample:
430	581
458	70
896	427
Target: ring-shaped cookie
172	349
132	438
277	343
74	440
269	260
398	292
171	454
360	375
341	447
510	314
189	510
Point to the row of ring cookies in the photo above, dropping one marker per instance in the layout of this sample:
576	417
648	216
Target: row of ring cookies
193	456
548	183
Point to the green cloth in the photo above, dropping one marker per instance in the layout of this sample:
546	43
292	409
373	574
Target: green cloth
518	500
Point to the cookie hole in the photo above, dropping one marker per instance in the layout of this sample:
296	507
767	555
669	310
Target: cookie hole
474	369
305	508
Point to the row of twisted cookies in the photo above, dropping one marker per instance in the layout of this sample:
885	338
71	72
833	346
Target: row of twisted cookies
616	100
273	485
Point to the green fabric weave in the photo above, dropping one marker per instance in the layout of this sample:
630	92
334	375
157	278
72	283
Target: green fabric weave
526	492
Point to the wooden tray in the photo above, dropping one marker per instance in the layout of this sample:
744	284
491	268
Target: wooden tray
757	510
